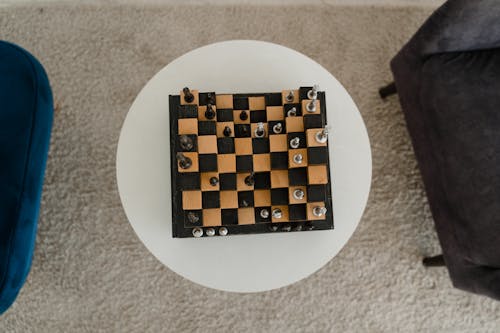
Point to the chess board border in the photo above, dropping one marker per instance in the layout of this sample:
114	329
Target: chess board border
178	228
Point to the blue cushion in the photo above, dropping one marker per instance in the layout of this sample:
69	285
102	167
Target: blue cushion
26	113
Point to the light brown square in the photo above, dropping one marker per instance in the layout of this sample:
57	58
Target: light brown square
243	146
311	138
212	217
278	142
205	181
279	178
240	182
257	103
191	200
261	162
317	174
253	127
201	113
304	107
188	126
228	199
275	113
195	100
284	212
291	198
262	198
221	126
207	144
194	166
291	155
285	93
310	207
224	101
226	163
294	124
236	117
246	216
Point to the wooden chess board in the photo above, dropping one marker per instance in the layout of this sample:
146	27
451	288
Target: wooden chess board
249	163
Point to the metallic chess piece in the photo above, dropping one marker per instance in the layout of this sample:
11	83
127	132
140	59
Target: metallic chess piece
250	179
243	115
298	158
313	93
273	227
245	203
210	113
184	161
186	142
319	211
277	128
227	131
260	131
298	227
193	218
290	96
308	226
322	136
188	96
286	227
210	232
264	213
223	231
295	142
214	181
197	232
311	106
298	194
277	213
292	112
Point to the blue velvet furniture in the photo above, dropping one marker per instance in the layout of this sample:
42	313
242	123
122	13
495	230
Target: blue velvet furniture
448	80
26	113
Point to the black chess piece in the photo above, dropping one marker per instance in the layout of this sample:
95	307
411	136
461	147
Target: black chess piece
193	218
243	115
184	161
188	96
227	131
250	179
211	98
210	113
186	142
214	181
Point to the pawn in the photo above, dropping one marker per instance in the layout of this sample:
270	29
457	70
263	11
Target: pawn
243	115
210	113
211	98
260	131
227	131
250	179
214	181
186	142
184	161
188	96
292	112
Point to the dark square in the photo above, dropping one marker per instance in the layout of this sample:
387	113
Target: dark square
188	181
207	128
313	121
317	155
204	98
224	115
245	197
273	99
297	176
260	145
316	193
210	199
259	116
240	103
242	131
279	161
244	163
297	212
194	139
303	92
229	216
188	111
271	125
279	196
301	136
259	218
287	108
262	180
207	162
225	145
198	213
227	181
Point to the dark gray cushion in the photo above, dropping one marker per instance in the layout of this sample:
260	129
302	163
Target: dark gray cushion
448	80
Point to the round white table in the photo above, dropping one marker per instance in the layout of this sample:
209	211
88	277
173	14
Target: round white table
245	263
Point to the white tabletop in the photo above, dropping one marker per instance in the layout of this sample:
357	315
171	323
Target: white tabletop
244	263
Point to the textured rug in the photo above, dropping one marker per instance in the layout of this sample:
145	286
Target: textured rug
90	271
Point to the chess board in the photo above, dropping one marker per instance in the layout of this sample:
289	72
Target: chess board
244	174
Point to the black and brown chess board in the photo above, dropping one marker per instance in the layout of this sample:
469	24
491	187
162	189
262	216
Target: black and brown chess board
249	163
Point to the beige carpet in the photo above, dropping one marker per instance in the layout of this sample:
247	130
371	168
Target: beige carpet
90	271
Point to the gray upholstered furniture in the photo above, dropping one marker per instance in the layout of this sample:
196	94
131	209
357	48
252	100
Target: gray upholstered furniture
448	80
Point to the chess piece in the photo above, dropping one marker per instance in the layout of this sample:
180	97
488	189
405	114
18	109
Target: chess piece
290	96
277	128
260	131
313	93
319	211
295	142
184	161
243	115
264	213
277	213
223	231
292	112
311	106
214	181
188	96
286	227
186	142
244	203
210	113
197	232
250	179
322	135
227	131
298	158
298	194
210	232
193	218
211	98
